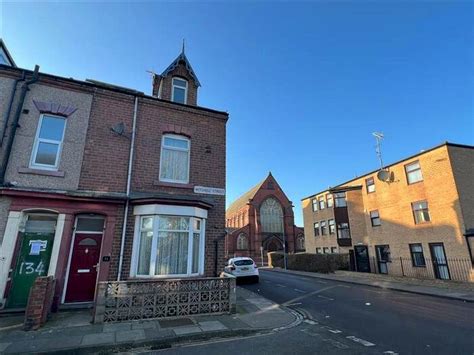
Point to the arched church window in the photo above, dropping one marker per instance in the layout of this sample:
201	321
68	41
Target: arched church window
242	242
271	216
300	242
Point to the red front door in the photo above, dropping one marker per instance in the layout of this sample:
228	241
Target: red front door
83	268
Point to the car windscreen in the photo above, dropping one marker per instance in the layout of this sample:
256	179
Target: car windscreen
243	262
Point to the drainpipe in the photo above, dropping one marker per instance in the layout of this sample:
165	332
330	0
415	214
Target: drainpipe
10	105
129	179
14	123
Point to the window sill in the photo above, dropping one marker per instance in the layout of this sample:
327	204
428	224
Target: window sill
173	184
41	172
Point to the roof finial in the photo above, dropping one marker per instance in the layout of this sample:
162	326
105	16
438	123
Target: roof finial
182	50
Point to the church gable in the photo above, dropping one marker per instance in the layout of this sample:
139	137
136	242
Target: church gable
270	187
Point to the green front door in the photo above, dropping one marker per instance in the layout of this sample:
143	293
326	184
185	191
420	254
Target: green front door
33	258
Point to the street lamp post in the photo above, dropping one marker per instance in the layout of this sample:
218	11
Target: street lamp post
284	252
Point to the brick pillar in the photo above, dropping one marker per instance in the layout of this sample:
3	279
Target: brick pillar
39	302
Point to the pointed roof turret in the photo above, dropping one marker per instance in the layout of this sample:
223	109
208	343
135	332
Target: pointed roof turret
182	58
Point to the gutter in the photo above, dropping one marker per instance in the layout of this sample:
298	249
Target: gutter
127	201
14	124
10	105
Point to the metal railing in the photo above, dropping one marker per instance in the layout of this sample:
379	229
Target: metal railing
444	269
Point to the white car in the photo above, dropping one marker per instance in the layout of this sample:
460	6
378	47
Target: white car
242	267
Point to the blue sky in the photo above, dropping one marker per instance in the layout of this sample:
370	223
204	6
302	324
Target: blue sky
305	83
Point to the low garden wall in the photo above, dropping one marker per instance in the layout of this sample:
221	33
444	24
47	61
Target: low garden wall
144	299
324	263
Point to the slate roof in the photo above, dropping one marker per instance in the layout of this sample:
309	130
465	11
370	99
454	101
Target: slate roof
7	53
175	63
244	199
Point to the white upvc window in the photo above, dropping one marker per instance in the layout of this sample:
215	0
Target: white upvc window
168	246
175	159
48	142
179	92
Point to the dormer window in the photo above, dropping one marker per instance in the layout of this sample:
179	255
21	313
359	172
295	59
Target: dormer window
179	91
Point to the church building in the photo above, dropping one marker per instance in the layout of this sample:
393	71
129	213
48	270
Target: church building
261	221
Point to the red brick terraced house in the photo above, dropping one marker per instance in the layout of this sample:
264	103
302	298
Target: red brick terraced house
261	221
100	182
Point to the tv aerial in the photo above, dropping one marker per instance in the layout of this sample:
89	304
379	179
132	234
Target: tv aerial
383	174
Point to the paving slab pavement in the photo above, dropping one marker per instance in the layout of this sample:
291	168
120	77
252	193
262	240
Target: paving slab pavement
68	331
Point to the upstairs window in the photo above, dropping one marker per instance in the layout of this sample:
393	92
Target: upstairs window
370	185
340	199
413	172
179	92
322	203
330	201
375	218
174	162
332	226
420	212
316	229
343	231
324	229
314	203
48	142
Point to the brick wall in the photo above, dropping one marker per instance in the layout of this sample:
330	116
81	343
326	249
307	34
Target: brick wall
393	201
106	162
39	302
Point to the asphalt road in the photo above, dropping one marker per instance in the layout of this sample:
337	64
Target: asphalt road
343	318
395	321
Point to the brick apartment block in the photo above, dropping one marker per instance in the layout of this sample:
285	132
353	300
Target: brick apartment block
417	221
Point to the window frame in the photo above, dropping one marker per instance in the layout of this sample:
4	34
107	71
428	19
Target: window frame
329	197
314	203
180	87
321	203
367	185
336	198
316	228
372	219
423	209
332	226
334	250
323	225
348	229
155	229
326	249
408	172
38	140
319	250
242	236
175	136
412	254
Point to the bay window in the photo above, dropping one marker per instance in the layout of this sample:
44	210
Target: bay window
168	245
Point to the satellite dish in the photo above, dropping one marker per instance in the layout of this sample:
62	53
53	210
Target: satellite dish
384	175
119	128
